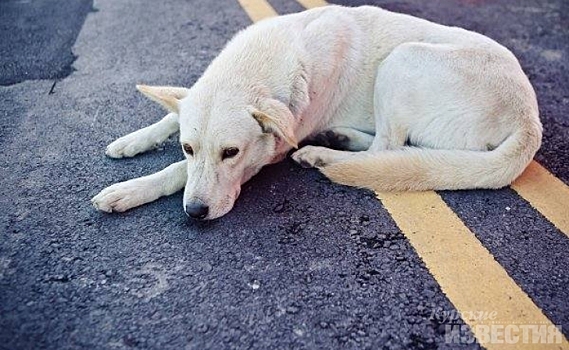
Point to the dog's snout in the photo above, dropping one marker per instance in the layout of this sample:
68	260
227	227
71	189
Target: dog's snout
197	209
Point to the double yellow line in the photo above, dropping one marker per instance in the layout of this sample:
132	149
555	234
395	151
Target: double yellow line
466	271
546	193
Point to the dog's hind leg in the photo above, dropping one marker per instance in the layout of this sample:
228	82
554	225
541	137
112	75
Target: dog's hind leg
319	157
132	193
344	138
144	139
339	144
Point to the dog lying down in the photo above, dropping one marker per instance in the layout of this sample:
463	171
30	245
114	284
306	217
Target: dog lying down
408	105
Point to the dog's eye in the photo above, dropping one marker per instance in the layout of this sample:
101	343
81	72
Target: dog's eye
230	152
188	149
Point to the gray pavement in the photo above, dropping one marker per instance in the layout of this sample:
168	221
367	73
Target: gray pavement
37	38
299	263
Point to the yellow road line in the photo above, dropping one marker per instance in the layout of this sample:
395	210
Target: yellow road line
546	193
467	273
312	3
258	9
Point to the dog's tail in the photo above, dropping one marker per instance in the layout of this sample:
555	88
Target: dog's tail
419	169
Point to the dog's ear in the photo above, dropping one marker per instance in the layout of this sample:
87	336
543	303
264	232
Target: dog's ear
275	118
167	96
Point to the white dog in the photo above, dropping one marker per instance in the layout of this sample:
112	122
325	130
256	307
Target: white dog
407	103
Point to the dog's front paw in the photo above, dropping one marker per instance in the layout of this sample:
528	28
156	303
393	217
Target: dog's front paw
123	196
310	156
130	145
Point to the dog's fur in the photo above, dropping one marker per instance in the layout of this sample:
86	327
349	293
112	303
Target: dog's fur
412	105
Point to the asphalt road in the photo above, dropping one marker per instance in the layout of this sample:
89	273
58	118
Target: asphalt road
299	262
37	38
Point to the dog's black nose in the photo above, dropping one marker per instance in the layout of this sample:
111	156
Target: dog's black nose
197	209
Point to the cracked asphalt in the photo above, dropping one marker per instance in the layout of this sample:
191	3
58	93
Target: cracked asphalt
299	263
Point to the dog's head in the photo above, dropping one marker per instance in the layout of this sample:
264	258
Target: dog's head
226	139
